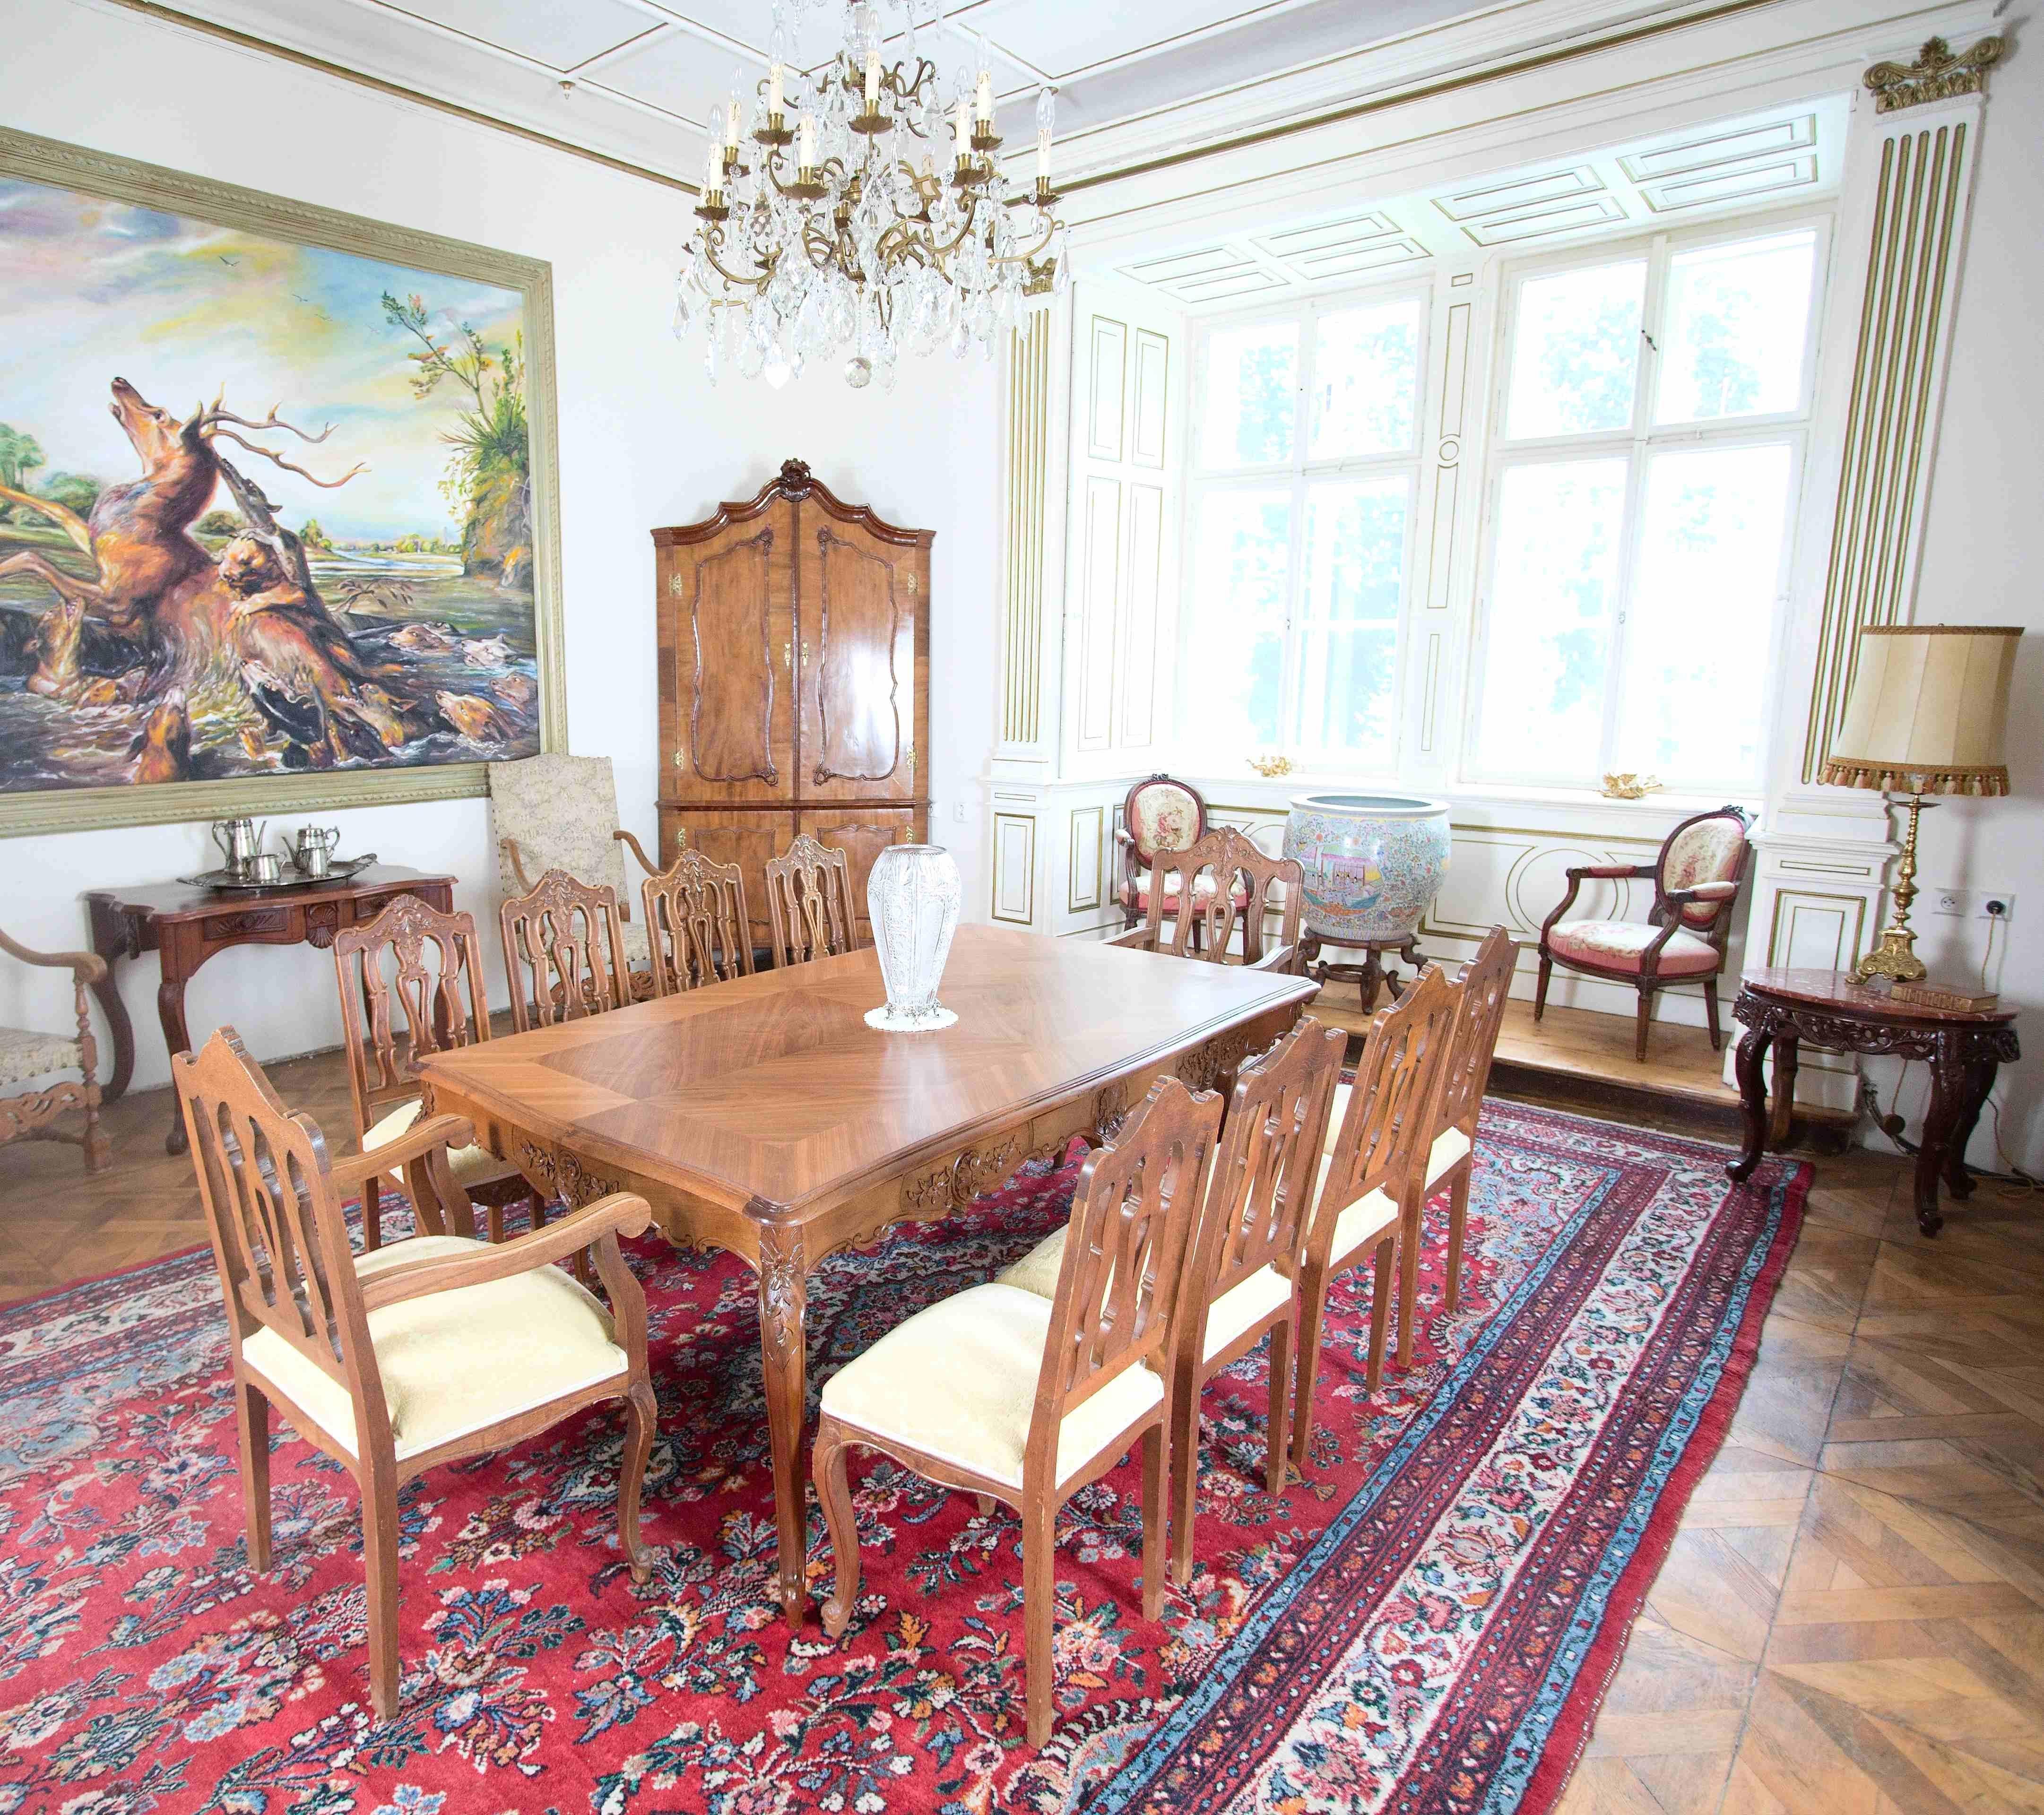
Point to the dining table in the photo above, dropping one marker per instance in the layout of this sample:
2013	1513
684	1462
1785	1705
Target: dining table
762	1116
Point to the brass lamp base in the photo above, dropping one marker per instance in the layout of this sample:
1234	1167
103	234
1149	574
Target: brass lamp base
1895	956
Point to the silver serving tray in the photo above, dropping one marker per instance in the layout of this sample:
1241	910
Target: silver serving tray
227	883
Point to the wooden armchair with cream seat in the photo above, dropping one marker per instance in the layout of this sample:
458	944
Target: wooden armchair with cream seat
427	1350
1369	1166
1448	1157
556	811
26	1054
1696	879
1005	1393
563	952
808	903
696	924
411	984
1233	887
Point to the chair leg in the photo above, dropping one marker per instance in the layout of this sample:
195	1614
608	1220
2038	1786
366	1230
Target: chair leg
98	1152
986	1505
1458	1223
1306	1364
1711	1013
1185	1463
1646	1016
1155	1520
1040	1609
642	1416
834	1496
1540	987
379	1565
1277	1434
1411	1231
251	1420
1380	1310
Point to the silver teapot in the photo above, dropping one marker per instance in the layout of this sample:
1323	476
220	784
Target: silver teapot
312	855
239	841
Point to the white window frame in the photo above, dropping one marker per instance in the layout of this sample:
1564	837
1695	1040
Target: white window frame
1300	474
1636	443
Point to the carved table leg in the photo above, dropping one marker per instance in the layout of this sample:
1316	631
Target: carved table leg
110	941
1980	1082
1949	1096
1786	1048
1749	1066
171	1011
783	1353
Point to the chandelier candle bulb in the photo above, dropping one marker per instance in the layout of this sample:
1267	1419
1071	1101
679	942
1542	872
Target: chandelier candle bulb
773	90
872	82
962	131
808	160
732	125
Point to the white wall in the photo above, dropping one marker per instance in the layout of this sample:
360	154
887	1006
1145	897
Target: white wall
644	440
1980	566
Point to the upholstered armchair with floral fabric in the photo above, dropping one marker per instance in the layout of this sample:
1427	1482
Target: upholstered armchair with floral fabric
25	1054
1697	879
560	812
1161	815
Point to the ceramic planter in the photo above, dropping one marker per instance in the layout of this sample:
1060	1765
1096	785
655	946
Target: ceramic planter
1374	863
912	897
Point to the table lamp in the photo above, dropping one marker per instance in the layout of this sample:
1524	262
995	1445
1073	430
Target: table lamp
1927	715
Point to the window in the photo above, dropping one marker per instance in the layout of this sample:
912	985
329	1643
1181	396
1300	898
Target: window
1306	455
1652	405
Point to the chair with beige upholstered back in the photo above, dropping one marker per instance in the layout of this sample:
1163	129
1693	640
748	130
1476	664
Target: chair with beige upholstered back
1161	815
1233	889
808	902
411	984
1371	1159
427	1350
563	952
696	924
1696	879
1024	1399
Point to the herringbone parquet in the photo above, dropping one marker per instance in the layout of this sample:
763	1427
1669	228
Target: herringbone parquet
1851	1620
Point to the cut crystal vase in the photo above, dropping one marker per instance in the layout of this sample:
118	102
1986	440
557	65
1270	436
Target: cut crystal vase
913	898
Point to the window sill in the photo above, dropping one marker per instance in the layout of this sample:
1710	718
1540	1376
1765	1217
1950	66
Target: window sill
1216	785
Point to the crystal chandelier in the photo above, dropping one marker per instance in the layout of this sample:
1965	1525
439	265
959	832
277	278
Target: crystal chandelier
876	223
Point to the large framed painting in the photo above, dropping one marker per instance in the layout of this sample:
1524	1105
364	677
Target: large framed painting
277	502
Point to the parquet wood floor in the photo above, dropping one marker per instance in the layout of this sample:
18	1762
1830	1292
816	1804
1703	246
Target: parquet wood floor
1851	1620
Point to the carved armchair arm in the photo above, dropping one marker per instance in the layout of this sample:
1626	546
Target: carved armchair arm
638	850
88	967
623	1213
1283	959
415	1143
509	848
1703	891
1588	873
1143	939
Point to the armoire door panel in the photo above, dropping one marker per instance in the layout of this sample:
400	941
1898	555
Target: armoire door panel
857	674
863	833
747	837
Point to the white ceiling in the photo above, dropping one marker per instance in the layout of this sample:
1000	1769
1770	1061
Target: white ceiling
645	73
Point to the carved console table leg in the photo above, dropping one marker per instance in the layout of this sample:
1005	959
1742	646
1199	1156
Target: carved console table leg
784	1355
1980	1084
177	1039
114	941
1750	1067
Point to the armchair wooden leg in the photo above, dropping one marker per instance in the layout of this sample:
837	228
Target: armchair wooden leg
642	1414
1644	1020
834	1496
1458	1225
251	1420
1540	987
98	1153
1184	1465
1040	1609
1278	1433
1711	1013
1155	1519
1306	1364
379	1565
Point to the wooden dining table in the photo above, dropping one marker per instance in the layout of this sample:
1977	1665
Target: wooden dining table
762	1116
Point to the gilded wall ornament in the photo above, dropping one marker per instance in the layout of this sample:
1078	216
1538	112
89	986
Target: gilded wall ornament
1937	74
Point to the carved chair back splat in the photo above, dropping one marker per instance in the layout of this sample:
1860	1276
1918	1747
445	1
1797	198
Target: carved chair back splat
808	902
1251	1236
563	952
696	924
1199	897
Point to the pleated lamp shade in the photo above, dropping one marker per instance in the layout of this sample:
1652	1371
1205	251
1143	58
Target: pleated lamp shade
1928	711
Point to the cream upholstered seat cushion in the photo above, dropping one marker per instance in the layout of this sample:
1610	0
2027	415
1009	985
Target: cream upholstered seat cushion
1369	1215
1037	1270
453	1362
471	1165
958	1382
25	1055
1449	1146
1621	945
1244	1305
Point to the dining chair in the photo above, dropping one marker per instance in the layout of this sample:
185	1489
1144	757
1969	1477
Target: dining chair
1697	876
411	984
1230	884
563	952
548	812
1369	1165
808	902
433	1348
1243	1281
26	1054
1160	814
1023	1399
696	924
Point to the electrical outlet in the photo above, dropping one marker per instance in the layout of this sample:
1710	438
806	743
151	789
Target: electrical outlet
1997	904
958	812
1955	902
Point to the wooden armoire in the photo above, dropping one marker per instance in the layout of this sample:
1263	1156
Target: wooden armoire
794	652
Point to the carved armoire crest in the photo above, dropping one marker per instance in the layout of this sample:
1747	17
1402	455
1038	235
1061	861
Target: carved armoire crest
794	648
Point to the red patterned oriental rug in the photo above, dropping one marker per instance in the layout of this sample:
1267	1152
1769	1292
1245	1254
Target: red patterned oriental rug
1427	1623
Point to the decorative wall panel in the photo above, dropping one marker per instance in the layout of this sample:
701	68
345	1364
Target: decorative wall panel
1028	491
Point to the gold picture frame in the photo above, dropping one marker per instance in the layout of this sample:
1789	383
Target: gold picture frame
29	158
